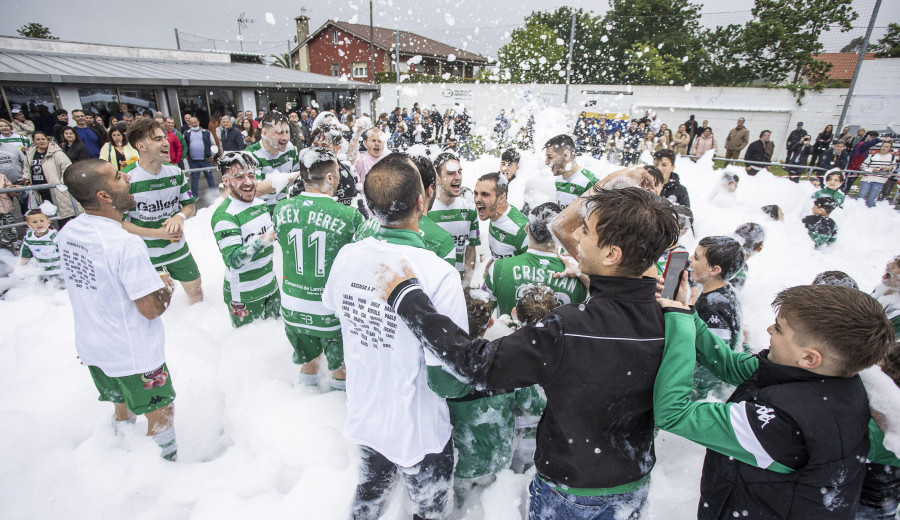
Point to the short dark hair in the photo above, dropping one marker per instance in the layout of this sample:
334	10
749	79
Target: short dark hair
764	132
61	111
685	217
826	203
839	278
752	235
539	220
641	224
426	170
443	158
829	175
664	154
391	190
84	181
729	177
535	301
871	133
331	132
510	155
35	211
862	337
724	252
272	118
229	159
315	163
478	309
561	141
772	210
142	129
500	186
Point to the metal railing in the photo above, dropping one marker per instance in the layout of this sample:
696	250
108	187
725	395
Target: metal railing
40	187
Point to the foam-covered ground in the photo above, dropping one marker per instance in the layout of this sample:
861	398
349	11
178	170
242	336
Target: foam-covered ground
253	444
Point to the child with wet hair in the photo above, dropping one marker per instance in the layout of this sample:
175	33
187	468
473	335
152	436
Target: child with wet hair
483	421
821	228
838	278
774	211
723	195
751	237
834	179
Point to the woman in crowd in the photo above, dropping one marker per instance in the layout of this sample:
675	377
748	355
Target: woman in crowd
250	135
882	163
823	142
705	142
113	122
663	143
117	151
74	149
649	143
616	147
45	163
680	141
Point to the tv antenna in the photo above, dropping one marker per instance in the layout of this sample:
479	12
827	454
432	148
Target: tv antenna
242	24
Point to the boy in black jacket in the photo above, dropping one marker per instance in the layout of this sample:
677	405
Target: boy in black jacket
596	361
793	439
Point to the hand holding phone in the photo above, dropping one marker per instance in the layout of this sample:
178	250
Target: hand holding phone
675	265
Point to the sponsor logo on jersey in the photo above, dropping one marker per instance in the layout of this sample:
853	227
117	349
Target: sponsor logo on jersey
239	310
464	213
156	206
154	378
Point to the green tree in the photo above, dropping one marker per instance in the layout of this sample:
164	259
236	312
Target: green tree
281	60
587	56
854	46
780	42
533	54
35	30
889	45
645	65
721	60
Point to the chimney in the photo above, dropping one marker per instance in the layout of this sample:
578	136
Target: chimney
302	58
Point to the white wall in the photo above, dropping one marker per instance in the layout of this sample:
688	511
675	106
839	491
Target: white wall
247	100
763	109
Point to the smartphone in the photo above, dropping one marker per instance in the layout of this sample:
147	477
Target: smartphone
675	265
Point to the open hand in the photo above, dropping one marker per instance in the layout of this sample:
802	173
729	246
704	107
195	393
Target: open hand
386	279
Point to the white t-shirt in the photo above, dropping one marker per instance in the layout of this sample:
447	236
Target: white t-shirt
390	407
106	268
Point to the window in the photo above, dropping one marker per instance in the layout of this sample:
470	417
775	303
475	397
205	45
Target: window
139	99
335	70
360	69
33	101
334	37
205	104
99	100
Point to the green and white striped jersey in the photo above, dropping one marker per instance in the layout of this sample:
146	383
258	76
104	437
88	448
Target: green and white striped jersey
16	139
285	162
238	227
436	239
158	197
567	191
506	278
507	234
460	219
44	249
311	228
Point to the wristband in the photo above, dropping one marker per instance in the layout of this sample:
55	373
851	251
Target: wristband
180	214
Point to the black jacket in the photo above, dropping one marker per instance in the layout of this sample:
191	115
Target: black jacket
802	152
76	152
795	137
829	161
596	362
828	450
674	189
756	152
232	141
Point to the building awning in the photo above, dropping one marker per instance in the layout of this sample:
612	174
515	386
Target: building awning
64	68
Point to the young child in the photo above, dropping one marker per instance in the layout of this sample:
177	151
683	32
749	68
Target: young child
751	237
833	180
723	195
888	293
483	421
42	244
730	181
9	238
822	229
535	302
715	261
774	211
685	222
839	278
793	438
509	163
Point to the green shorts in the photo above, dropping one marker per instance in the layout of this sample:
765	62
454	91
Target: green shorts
243	313
308	348
141	393
184	270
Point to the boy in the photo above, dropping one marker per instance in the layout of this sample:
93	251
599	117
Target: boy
888	293
244	233
822	230
715	261
793	438
509	163
574	353
41	243
672	189
751	237
839	278
312	228
833	180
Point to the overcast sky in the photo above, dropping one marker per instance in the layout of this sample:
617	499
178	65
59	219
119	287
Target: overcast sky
476	25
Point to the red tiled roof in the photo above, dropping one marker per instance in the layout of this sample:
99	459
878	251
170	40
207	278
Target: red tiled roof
842	63
410	43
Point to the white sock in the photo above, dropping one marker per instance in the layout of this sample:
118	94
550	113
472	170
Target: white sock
339	384
166	441
309	379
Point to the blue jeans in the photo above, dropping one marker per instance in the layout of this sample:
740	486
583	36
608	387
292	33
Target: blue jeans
195	176
869	191
547	503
